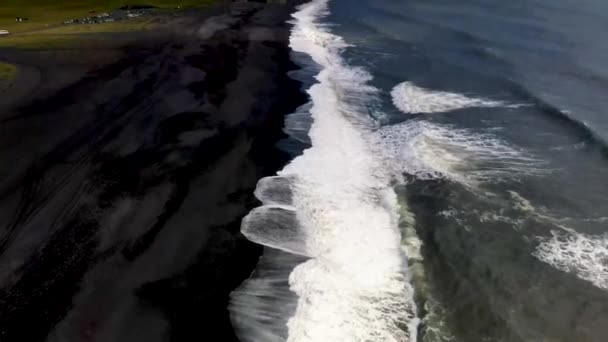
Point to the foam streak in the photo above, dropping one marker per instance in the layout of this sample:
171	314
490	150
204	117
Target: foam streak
582	255
429	151
412	99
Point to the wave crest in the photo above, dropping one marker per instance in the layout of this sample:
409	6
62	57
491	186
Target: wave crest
412	99
431	151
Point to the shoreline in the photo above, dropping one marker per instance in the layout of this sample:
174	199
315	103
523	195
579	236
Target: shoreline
127	186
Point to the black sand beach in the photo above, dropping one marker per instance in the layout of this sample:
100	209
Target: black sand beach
126	171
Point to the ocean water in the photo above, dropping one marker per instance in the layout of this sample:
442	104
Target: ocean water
449	180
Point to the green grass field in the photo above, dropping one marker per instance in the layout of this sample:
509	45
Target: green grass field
67	36
48	13
8	73
44	28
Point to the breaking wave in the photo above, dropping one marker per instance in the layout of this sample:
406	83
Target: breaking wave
412	99
334	207
427	150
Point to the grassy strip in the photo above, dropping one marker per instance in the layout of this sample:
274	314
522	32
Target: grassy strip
137	24
42	41
8	73
70	36
43	14
44	29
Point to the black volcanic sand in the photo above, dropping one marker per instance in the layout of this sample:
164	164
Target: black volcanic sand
121	194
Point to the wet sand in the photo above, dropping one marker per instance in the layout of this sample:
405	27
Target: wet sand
122	188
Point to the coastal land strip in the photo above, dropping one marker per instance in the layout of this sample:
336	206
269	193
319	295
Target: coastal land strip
129	161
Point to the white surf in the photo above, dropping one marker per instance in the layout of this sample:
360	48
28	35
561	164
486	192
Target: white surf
583	255
428	150
580	254
334	205
412	99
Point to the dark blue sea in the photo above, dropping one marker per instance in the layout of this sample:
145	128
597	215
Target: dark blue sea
449	180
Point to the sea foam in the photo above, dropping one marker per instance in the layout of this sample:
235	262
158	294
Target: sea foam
428	150
334	205
583	255
412	99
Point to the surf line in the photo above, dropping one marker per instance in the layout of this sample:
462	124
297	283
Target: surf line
334	205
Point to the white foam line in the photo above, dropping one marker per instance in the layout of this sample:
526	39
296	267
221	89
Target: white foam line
412	99
355	286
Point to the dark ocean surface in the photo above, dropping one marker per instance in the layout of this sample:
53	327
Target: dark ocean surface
490	119
514	248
